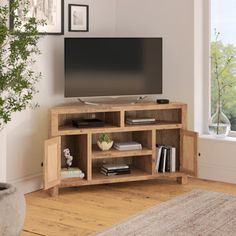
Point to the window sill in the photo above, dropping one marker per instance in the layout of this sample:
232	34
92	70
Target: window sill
210	137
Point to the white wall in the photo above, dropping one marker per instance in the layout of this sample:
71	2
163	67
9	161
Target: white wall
217	161
174	21
171	19
27	131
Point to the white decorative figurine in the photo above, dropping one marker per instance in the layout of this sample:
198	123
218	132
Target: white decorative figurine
68	157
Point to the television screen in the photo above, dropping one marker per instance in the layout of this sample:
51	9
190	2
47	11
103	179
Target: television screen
112	66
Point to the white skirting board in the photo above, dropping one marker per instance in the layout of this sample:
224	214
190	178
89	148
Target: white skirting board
28	184
217	159
217	173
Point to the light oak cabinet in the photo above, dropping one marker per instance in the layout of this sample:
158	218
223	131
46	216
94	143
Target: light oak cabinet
170	129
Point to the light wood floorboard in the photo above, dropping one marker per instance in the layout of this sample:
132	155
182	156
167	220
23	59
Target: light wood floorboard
86	210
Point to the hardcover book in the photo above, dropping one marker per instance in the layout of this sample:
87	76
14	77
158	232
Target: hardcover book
165	159
115	166
158	152
71	173
126	146
115	170
168	159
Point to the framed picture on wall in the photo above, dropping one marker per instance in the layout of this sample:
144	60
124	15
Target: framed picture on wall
51	11
78	18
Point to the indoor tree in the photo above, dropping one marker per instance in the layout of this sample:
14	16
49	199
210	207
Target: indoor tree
18	48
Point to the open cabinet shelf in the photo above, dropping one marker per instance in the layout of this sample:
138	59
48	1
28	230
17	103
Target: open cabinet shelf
113	153
170	128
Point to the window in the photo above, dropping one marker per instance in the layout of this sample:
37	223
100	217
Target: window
223	57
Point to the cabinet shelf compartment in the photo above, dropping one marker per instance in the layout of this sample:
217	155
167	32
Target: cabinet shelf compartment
144	137
77	144
113	153
140	165
111	119
135	174
162	117
170	137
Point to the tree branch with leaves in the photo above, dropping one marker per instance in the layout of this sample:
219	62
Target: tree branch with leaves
18	50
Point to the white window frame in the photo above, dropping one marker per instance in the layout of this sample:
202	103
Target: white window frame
231	133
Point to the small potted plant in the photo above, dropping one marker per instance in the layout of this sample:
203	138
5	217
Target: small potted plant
104	142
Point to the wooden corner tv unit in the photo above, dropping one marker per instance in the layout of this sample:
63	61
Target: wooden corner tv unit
170	128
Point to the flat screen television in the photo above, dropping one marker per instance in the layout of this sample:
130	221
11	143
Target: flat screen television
113	66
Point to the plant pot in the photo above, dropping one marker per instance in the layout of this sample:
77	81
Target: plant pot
12	210
104	146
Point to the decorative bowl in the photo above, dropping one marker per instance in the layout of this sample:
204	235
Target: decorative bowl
104	146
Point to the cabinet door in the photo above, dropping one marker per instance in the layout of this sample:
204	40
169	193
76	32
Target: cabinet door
188	152
52	162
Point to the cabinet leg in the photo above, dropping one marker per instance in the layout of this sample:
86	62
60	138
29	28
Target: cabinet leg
54	191
183	179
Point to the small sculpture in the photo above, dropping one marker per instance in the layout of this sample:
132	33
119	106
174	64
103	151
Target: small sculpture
68	157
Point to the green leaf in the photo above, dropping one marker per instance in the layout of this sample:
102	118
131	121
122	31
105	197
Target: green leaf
17	52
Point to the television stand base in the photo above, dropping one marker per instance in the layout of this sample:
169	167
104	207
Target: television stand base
87	103
139	99
119	100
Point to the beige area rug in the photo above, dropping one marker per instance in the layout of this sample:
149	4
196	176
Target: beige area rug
199	212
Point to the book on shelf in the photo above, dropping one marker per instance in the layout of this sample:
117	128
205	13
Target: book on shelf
126	146
133	121
72	172
173	159
158	156
115	166
111	173
141	119
165	159
161	167
168	160
115	169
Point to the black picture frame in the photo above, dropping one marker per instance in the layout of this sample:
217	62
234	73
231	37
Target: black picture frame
82	19
60	26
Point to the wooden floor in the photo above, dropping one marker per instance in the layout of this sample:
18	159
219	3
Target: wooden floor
86	210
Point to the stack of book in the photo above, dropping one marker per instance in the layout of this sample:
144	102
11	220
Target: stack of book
126	146
115	169
138	121
166	159
72	172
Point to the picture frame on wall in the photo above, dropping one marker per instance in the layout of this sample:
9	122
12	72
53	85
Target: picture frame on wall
50	11
78	18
